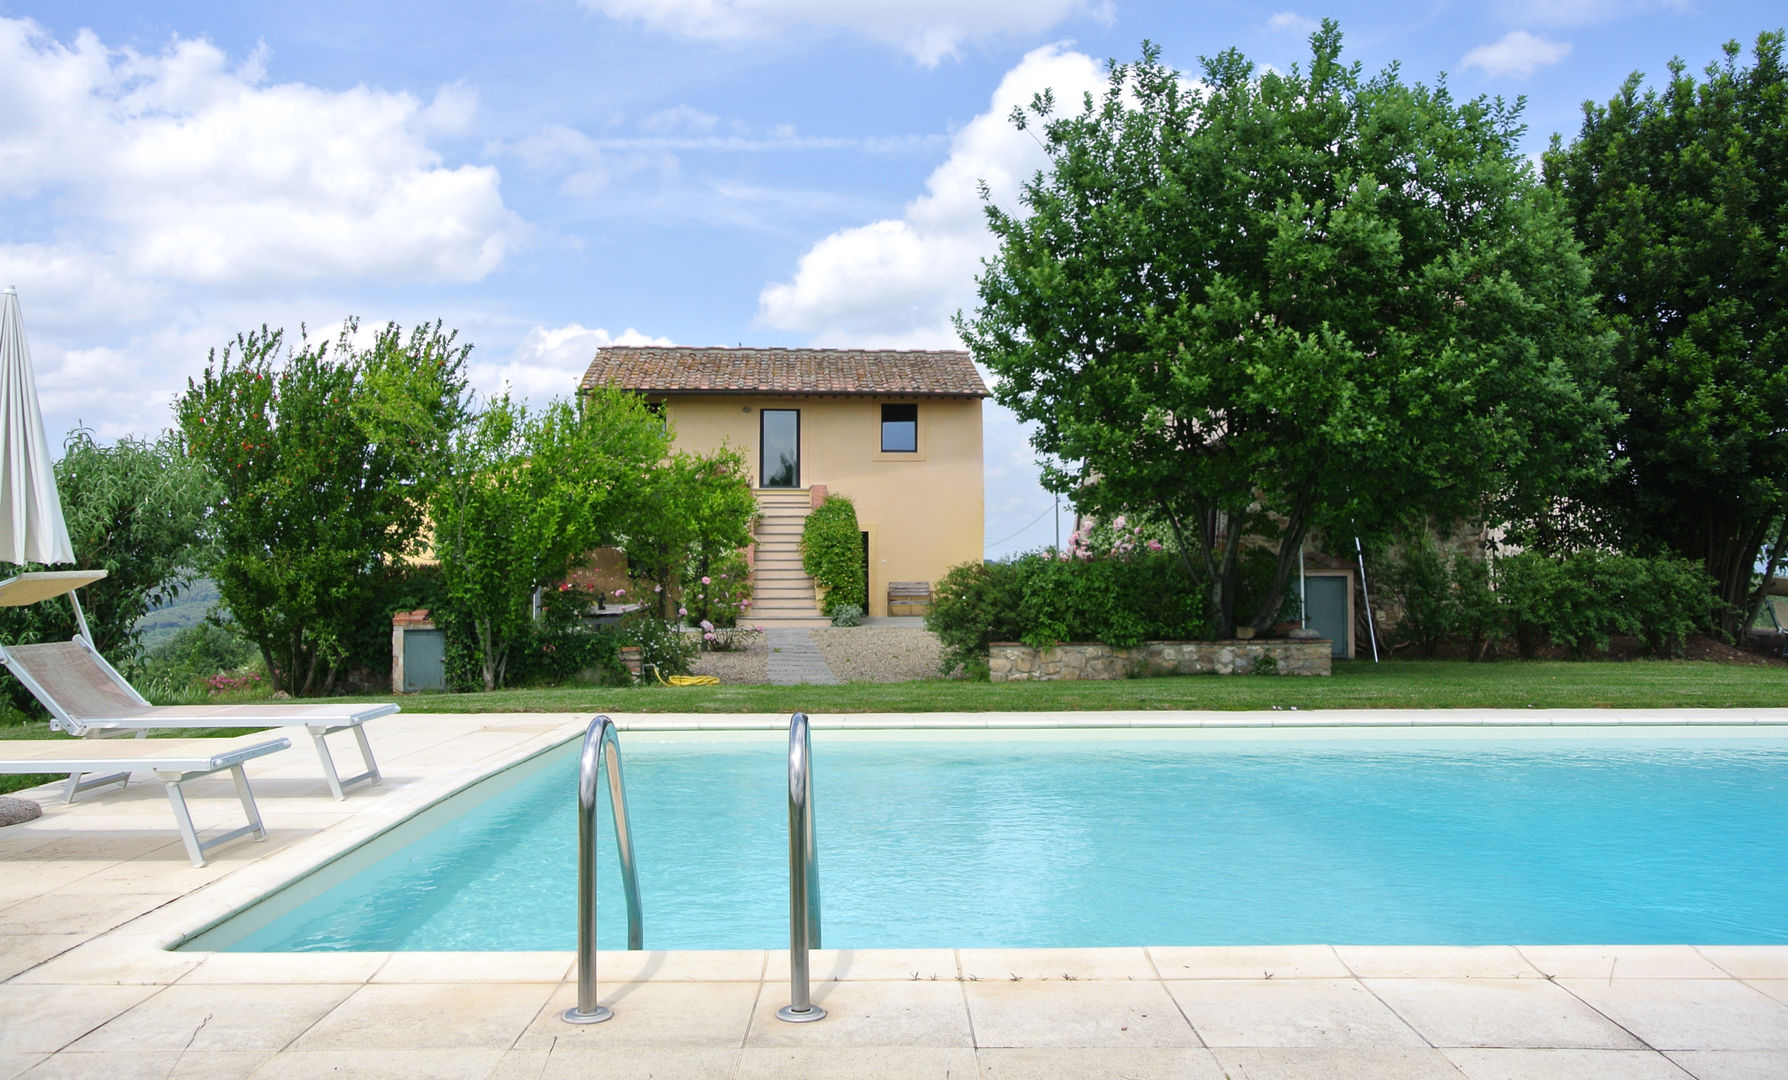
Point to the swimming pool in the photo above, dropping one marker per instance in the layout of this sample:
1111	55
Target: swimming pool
1072	842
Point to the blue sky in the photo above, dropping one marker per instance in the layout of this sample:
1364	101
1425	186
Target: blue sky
549	176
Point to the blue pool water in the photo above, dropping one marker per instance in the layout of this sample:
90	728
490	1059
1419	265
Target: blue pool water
1082	843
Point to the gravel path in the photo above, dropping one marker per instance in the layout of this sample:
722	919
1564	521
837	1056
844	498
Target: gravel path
879	653
855	654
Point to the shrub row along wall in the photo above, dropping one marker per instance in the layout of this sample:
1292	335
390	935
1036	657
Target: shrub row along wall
1011	662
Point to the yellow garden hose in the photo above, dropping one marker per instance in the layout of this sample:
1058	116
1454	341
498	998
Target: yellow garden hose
684	680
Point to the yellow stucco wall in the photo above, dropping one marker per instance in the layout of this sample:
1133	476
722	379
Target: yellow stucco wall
923	511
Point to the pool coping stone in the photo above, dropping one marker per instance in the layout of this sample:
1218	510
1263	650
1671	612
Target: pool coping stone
1724	1002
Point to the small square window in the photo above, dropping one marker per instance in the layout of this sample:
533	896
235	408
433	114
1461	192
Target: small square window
900	429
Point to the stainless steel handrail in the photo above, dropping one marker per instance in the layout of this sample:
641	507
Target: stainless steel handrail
600	745
803	875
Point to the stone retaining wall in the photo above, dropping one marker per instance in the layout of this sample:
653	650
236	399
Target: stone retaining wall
1008	662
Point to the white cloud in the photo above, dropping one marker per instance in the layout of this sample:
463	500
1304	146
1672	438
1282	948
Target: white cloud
1584	12
549	362
66	287
179	166
1516	55
927	30
1290	22
679	118
125	388
896	282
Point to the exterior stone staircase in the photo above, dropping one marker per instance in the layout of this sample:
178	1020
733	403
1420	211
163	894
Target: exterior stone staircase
781	592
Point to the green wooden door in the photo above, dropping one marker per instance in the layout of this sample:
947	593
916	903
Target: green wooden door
1325	604
425	655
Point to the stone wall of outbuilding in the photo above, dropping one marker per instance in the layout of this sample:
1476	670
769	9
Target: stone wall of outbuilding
1010	662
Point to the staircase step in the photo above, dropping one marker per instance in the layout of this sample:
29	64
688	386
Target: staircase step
815	622
786	580
783	603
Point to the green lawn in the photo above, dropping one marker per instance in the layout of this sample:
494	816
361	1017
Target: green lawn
1394	684
1356	685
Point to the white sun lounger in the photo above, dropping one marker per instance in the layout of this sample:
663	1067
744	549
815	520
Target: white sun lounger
173	761
87	696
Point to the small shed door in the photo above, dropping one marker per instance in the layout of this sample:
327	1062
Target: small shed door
425	660
1325	604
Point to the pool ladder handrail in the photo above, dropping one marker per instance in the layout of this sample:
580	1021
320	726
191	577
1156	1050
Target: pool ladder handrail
601	746
803	875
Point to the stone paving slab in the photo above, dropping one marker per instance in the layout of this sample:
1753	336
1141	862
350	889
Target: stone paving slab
795	659
1517	1064
92	893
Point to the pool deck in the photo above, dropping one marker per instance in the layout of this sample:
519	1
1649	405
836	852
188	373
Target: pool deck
92	893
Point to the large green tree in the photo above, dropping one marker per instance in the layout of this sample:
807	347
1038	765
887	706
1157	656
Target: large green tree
1262	304
324	456
135	510
1680	197
530	494
696	516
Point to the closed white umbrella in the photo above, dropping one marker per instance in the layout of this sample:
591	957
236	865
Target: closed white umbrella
31	524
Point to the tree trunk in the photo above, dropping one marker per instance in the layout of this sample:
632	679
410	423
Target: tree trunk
1289	547
1179	540
1728	549
301	687
1223	577
273	672
487	659
1754	603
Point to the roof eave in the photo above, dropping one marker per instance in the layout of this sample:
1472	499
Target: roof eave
734	391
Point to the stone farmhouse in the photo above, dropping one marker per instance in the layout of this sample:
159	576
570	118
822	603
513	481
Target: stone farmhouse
899	432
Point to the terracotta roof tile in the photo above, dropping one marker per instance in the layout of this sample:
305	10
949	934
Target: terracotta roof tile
675	370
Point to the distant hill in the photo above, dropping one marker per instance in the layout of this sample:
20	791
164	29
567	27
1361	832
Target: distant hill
189	609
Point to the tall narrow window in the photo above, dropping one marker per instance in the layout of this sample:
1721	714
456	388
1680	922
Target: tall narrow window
900	429
779	447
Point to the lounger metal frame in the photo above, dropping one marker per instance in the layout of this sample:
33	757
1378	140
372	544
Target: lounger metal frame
173	766
106	726
37	586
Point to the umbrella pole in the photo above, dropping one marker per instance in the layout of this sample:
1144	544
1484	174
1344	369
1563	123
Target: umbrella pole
80	617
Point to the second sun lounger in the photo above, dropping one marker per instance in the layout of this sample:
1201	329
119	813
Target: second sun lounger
87	696
173	761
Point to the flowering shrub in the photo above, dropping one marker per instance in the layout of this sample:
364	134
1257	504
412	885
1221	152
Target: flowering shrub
718	590
730	638
225	682
1113	583
662	642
